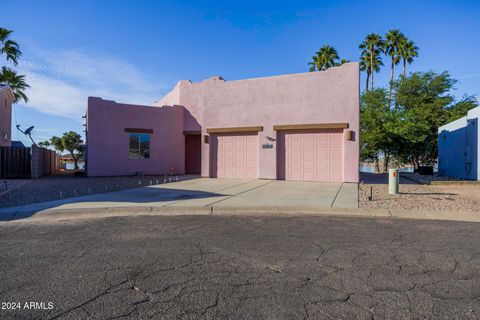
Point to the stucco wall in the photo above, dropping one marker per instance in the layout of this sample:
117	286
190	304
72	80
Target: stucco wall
108	143
331	96
458	147
5	116
306	98
190	95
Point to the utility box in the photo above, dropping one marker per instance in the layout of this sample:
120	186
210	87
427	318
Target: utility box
393	181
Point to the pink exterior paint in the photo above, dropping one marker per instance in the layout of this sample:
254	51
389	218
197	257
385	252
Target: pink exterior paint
234	155
193	154
6	99
331	96
310	155
108	143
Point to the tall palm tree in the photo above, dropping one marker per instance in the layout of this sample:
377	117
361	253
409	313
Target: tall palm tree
408	50
366	65
324	58
15	82
392	48
372	46
9	47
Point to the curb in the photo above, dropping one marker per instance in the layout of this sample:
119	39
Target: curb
106	212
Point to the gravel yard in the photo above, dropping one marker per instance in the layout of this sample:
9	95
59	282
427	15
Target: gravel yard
67	186
451	197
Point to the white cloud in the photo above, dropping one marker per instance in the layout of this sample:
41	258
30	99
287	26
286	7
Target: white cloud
62	80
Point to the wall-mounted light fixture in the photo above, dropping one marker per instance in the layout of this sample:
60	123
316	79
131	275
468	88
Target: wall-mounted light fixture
350	135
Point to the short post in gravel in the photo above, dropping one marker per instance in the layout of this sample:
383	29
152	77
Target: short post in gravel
393	181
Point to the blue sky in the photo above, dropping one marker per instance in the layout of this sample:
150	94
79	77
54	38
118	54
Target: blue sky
136	51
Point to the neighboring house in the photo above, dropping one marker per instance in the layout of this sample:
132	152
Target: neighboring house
294	127
66	162
459	147
18	144
6	100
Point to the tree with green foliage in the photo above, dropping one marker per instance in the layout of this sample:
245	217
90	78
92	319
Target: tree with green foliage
365	65
392	48
342	61
44	144
70	141
407	50
8	47
425	101
8	76
324	58
382	129
372	47
15	82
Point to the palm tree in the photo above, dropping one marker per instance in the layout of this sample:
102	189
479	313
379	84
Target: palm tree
342	61
9	47
372	46
365	66
324	58
408	50
15	82
392	48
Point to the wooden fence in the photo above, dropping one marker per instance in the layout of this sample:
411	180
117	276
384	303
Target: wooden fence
44	162
15	163
27	163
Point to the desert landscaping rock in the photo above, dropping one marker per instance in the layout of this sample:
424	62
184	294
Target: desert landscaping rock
415	196
62	187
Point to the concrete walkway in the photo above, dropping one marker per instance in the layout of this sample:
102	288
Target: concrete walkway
204	193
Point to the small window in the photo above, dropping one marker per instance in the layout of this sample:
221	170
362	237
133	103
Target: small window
5	136
139	147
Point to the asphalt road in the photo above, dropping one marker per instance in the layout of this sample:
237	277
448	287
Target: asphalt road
213	267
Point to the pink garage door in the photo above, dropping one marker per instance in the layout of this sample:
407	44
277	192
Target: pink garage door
310	155
234	155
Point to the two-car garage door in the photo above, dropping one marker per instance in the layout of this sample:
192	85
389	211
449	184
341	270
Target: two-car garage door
302	155
310	155
234	155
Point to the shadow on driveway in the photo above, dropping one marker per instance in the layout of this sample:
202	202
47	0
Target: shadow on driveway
124	198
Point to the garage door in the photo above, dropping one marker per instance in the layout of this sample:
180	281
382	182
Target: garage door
234	155
310	155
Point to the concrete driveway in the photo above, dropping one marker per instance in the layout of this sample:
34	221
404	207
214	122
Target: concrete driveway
205	192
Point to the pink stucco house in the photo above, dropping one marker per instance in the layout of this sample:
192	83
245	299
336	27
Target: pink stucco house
6	100
294	127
